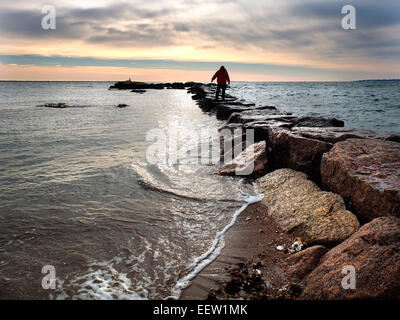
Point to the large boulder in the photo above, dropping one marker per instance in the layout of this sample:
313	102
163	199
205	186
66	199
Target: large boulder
198	92
265	115
207	104
291	150
298	265
333	134
318	122
224	110
373	252
261	128
303	210
252	161
366	172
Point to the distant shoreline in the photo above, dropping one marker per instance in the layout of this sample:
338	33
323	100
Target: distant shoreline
305	81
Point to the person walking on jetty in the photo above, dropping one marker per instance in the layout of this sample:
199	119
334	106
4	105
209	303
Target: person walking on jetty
222	77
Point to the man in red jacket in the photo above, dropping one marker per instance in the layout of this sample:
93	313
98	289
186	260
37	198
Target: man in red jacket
222	78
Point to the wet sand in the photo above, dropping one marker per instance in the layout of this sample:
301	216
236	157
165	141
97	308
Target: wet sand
252	241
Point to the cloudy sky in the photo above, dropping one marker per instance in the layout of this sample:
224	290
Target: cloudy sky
166	40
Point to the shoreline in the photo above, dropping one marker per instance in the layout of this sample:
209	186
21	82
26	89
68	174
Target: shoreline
261	236
328	190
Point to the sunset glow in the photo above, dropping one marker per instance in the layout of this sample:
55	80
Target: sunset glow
187	40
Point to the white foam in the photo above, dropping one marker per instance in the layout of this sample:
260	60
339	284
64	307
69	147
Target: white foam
204	260
103	281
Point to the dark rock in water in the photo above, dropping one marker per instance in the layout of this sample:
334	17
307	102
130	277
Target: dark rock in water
54	105
132	85
191	84
199	92
298	265
207	104
136	85
366	172
224	110
290	150
122	105
138	91
373	252
176	85
318	122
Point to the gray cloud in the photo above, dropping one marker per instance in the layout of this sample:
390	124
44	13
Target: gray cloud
370	13
307	27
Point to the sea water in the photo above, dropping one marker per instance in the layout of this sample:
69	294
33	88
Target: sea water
77	192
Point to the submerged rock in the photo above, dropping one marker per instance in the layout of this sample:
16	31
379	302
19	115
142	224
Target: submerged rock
366	172
138	90
251	162
303	210
60	105
373	252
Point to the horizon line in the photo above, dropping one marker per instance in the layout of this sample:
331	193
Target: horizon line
171	81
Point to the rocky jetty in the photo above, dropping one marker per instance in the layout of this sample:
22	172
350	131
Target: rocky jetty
315	168
136	85
331	199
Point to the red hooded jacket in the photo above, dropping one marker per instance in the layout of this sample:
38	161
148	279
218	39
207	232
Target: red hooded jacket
222	77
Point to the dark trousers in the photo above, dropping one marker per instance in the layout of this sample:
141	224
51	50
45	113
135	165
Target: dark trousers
219	87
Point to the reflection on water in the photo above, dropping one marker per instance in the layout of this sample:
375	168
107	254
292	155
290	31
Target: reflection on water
77	193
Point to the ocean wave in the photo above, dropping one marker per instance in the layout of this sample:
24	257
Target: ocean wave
213	252
186	185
